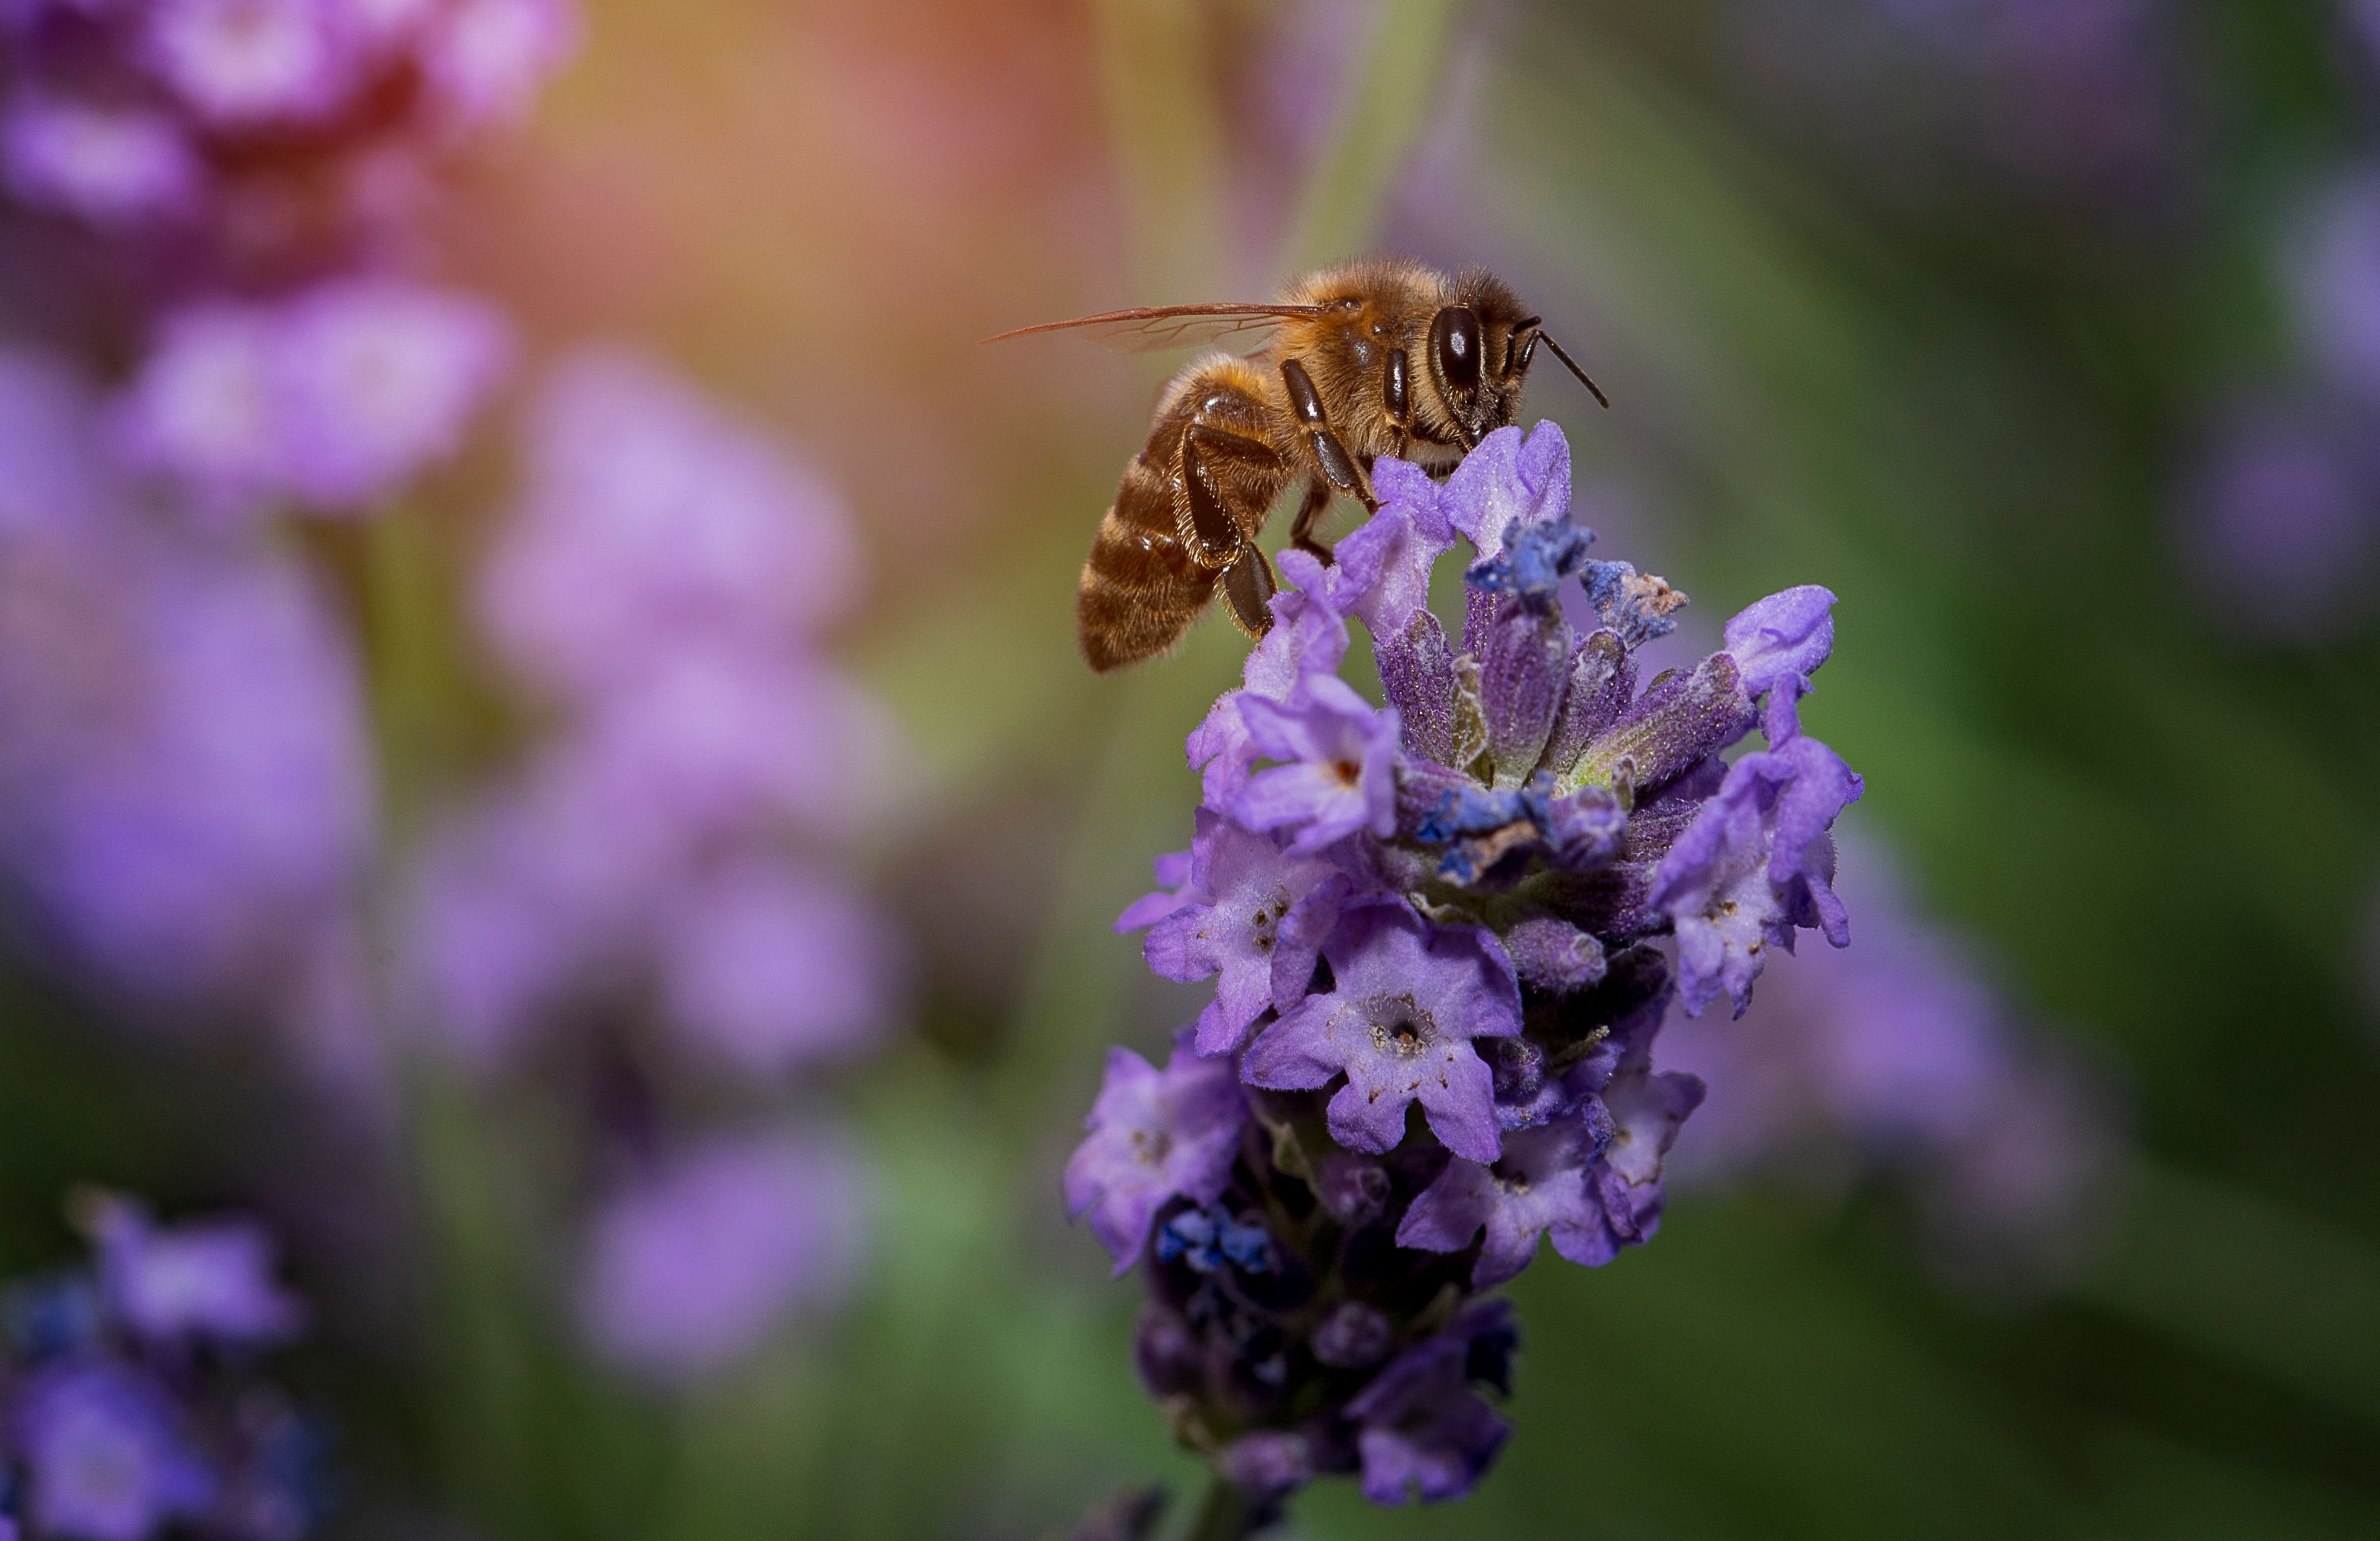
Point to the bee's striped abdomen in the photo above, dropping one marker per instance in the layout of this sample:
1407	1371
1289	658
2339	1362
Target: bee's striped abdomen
1143	585
1140	588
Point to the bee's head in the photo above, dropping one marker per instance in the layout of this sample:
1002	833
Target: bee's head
1480	346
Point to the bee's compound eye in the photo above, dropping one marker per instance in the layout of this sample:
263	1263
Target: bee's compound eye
1454	344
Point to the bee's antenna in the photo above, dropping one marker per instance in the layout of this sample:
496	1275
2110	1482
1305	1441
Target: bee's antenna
1572	366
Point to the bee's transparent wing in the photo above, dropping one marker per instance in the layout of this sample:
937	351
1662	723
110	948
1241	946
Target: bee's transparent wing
1160	326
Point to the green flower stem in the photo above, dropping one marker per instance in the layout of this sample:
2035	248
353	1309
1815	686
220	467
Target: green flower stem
1224	1514
481	1429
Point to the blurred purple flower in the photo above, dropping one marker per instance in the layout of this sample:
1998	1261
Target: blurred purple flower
203	788
2278	523
691	1266
111	164
60	481
1154	1135
769	968
334	399
240	62
485	60
205	408
379	379
207	1281
108	1454
654	521
2335	279
717	744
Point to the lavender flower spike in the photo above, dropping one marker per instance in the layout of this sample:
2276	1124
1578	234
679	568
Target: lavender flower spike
1154	1135
1458	902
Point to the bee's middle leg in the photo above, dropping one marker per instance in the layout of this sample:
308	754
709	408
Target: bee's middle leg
1309	513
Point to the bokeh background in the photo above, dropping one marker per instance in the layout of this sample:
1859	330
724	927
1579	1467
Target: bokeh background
2046	332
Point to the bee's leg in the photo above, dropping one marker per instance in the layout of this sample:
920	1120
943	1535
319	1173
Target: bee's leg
1217	467
1337	467
1396	398
1301	529
1247	592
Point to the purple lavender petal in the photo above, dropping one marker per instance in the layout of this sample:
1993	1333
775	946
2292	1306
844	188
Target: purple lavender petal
1250	887
1174	891
1624	1195
1508	480
1342	780
1308	635
1540	1180
1785	635
1382	571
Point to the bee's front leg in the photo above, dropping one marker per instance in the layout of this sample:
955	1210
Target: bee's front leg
1331	457
1396	399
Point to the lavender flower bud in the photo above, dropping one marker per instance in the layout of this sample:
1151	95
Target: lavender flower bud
1678	722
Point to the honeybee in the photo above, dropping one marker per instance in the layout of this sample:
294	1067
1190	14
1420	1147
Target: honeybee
1383	356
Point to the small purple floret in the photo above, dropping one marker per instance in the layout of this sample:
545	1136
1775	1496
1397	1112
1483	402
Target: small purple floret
1154	1135
1410	998
1341	775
